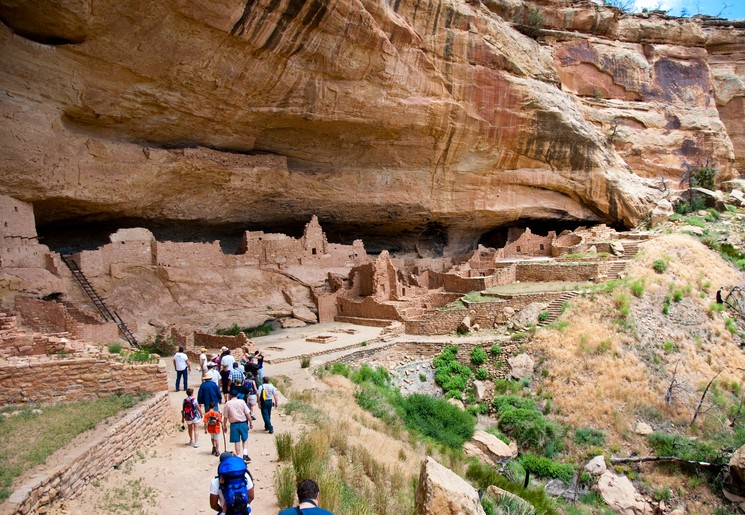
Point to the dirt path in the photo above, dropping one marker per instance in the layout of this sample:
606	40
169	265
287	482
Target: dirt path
173	477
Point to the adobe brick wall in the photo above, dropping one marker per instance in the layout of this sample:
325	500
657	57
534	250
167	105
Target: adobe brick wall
186	254
94	457
553	271
49	379
53	317
367	308
16	218
217	341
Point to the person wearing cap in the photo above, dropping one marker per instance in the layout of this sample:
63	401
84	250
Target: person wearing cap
214	372
209	393
227	358
216	500
236	412
251	367
203	359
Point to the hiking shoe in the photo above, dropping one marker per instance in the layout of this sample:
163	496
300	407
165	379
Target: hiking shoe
271	431
246	458
196	446
191	442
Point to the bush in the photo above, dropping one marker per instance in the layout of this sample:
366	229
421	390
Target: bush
637	288
449	374
115	348
478	356
659	265
305	362
484	475
422	377
496	350
283	443
379	376
482	374
589	436
521	419
682	447
378	402
437	419
544	467
543	316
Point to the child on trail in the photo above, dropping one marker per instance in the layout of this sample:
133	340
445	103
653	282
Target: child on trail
212	423
191	413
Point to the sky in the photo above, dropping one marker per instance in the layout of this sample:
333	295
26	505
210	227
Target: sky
733	9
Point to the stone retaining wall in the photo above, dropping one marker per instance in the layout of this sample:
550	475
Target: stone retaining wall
48	380
94	458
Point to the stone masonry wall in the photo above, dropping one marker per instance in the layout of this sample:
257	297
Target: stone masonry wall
106	449
485	314
46	380
552	271
53	317
186	254
217	341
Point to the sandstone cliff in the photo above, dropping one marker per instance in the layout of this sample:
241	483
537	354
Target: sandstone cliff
386	116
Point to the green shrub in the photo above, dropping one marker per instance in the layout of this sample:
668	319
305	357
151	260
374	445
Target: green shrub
115	348
495	350
478	356
160	346
251	332
379	376
339	369
695	221
677	295
484	475
675	217
437	419
140	356
666	305
521	419
544	467
283	443
623	303
669	347
637	288
731	326
589	436
449	374
305	362
422	377
502	386
543	316
378	401
659	265
682	447
482	374
662	494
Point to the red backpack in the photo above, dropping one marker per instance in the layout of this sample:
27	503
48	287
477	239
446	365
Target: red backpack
189	410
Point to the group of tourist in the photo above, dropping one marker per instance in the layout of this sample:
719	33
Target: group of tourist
242	386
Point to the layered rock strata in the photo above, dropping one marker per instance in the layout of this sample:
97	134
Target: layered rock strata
385	116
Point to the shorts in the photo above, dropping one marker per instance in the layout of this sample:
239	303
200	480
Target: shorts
238	432
215	436
252	400
197	420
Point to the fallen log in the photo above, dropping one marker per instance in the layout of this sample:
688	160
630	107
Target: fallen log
641	459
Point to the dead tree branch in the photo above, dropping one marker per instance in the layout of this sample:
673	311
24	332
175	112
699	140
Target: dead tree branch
642	459
698	409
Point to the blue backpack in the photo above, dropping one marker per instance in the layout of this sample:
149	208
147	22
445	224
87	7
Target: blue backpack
233	485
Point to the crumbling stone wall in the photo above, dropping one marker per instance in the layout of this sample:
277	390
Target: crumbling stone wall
217	341
93	457
367	308
186	254
51	379
532	271
54	317
529	245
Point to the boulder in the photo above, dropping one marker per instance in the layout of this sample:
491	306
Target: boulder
737	198
289	323
616	248
644	429
596	466
713	199
521	366
489	448
619	493
304	314
661	212
443	492
498	493
732	185
457	403
692	229
465	325
279	310
737	466
481	389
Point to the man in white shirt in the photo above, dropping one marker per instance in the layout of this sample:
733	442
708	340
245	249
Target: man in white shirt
182	367
203	360
227	359
212	370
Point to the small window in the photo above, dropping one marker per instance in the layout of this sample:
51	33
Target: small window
518	248
16	208
314	251
541	246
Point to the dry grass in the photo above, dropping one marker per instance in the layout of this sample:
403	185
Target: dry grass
600	371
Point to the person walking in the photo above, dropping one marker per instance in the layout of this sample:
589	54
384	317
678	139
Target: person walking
212	424
260	364
252	389
182	367
267	400
203	360
217	501
236	374
191	414
237	414
209	393
307	493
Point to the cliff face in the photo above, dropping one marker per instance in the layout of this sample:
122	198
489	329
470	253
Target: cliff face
389	116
